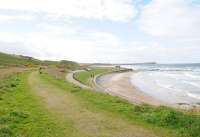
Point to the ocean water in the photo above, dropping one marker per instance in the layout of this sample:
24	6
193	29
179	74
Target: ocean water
173	83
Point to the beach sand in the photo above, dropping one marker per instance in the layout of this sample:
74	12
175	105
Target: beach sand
118	84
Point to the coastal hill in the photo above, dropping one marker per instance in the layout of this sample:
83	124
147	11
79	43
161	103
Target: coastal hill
26	61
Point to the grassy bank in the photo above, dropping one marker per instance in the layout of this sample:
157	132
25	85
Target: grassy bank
86	77
22	113
10	60
163	120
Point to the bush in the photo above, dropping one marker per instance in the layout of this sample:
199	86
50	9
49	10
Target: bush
13	85
4	120
5	132
18	114
142	108
168	117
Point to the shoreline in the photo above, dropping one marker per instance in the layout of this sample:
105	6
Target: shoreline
119	84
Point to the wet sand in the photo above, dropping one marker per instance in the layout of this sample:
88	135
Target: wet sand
118	84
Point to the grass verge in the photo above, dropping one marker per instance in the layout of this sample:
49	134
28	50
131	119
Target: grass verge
86	77
21	113
167	121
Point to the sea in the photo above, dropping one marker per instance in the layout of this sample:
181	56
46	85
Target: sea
172	83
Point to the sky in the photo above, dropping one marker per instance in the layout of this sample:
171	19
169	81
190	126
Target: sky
104	31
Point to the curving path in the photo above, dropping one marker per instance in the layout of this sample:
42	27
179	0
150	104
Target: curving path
117	84
70	78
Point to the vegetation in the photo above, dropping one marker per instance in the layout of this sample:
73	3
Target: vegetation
23	113
25	61
17	60
67	64
179	124
86	76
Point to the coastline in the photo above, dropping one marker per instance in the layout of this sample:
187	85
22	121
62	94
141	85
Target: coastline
118	84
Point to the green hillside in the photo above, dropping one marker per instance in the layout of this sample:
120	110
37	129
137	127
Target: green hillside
19	60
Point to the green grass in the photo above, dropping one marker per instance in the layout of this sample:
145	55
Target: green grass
22	113
19	60
86	76
167	121
7	59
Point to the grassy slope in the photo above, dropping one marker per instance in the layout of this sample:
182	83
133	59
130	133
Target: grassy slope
87	121
7	59
178	123
22	113
85	76
17	60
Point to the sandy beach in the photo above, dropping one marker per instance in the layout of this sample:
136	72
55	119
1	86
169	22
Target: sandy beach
118	84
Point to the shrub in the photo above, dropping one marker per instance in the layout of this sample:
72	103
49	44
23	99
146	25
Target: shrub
5	132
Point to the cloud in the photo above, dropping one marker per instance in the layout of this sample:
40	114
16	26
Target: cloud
113	10
94	46
15	47
60	30
150	51
11	18
56	42
171	19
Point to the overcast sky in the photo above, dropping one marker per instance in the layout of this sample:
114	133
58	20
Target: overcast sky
112	31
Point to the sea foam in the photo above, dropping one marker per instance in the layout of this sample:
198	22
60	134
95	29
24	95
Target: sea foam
171	83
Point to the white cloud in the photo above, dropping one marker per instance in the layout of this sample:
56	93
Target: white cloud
114	10
55	43
146	51
49	37
11	18
94	46
171	19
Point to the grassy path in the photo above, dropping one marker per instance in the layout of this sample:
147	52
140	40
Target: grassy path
22	113
34	105
79	119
